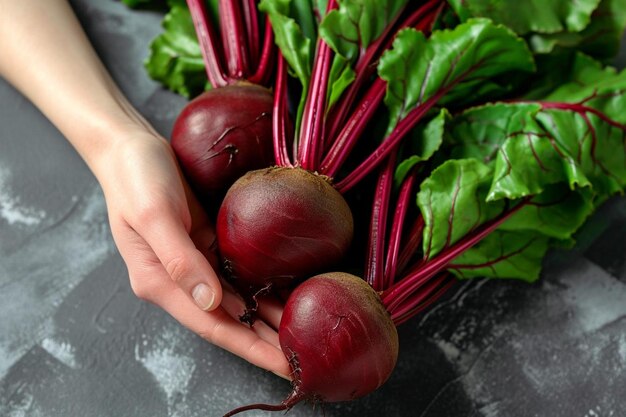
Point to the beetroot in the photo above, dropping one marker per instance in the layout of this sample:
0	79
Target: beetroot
339	339
227	131
281	223
222	134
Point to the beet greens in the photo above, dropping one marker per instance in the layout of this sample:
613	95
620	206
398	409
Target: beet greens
518	177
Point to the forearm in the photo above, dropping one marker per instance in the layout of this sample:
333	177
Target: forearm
46	55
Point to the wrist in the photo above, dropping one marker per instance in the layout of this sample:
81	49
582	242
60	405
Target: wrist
115	141
103	131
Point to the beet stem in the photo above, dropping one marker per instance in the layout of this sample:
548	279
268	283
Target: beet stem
412	244
279	117
400	291
397	227
415	306
311	135
312	130
378	225
365	67
209	46
356	124
251	19
263	72
386	147
234	39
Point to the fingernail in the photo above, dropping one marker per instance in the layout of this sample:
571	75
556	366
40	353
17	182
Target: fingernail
282	376
204	296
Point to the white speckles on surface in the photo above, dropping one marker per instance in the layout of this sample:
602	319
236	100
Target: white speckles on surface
22	408
622	349
171	369
5	360
595	297
61	350
12	211
557	347
599	412
44	271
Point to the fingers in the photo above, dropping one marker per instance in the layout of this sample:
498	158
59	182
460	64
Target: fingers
186	266
150	281
235	306
219	328
270	311
202	231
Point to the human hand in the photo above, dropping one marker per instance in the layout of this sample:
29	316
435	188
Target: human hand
168	245
164	237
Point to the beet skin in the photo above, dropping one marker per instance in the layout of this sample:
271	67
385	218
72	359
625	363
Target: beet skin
278	224
338	337
222	134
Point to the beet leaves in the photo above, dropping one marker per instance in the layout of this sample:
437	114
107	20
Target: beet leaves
517	178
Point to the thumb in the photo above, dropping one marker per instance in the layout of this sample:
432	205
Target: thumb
184	263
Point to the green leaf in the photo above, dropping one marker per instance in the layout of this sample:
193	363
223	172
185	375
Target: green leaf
517	247
349	30
591	147
592	132
503	254
340	77
355	24
452	202
600	39
540	16
294	44
527	162
422	144
454	65
574	77
599	87
558	212
319	9
175	58
150	4
294	30
533	148
479	132
460	8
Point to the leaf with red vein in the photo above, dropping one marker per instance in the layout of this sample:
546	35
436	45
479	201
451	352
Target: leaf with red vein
460	62
503	254
452	202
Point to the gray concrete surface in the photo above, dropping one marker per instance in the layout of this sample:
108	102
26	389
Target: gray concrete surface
74	341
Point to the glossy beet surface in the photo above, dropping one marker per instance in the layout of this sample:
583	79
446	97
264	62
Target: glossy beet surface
277	224
338	337
222	134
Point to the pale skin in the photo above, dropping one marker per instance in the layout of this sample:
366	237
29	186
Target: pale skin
163	235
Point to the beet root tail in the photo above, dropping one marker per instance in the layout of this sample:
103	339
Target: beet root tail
295	397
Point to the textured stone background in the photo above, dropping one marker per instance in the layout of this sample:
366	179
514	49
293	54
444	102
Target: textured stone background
74	341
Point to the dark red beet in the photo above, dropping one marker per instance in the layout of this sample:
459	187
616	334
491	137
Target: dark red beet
222	134
339	339
279	223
